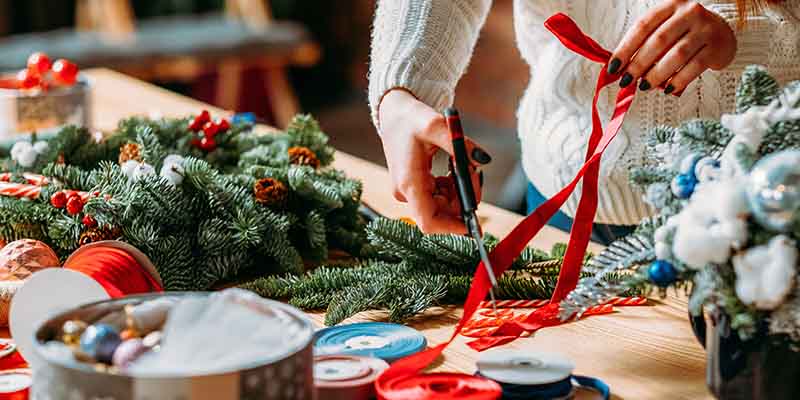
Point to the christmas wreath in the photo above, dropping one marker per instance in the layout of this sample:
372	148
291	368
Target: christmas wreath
727	195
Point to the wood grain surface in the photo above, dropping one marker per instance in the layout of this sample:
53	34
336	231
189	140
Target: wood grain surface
646	352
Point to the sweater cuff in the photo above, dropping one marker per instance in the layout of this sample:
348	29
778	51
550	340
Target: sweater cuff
752	35
437	94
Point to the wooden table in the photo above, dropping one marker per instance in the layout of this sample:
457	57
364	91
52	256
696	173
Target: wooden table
641	352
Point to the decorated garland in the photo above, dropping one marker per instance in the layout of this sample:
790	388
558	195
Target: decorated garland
728	223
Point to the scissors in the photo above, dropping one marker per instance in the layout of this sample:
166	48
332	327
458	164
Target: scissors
459	166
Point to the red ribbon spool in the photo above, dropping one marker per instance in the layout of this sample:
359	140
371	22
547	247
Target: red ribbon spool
408	369
118	270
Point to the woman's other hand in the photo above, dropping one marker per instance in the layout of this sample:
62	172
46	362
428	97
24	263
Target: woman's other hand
672	45
412	133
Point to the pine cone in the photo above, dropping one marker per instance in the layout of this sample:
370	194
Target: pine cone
303	156
91	236
129	151
270	192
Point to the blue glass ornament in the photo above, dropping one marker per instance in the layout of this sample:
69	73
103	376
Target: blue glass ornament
244	117
773	190
683	185
662	273
99	342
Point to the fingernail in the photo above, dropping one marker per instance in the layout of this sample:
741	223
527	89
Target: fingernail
481	156
644	85
613	66
480	178
626	80
669	89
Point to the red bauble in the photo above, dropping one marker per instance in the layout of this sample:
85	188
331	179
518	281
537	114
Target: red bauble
39	63
27	79
89	221
74	205
58	199
208	143
65	72
199	120
210	129
223	125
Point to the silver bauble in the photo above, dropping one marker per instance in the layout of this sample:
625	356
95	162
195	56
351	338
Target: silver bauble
773	189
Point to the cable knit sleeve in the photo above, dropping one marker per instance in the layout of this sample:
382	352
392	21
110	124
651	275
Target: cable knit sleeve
423	46
752	36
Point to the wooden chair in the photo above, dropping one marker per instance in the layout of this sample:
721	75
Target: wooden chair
181	48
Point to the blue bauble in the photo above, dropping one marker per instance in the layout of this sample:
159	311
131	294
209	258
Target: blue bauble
662	273
773	190
683	185
99	342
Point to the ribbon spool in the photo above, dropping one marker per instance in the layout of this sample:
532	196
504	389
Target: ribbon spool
97	271
346	377
536	376
15	384
383	340
443	386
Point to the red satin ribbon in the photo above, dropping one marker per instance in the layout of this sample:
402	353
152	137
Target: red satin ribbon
115	270
509	248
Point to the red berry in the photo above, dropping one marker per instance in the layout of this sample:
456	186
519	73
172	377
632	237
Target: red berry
28	80
196	124
210	129
74	205
39	63
204	116
89	221
208	143
58	199
223	125
65	72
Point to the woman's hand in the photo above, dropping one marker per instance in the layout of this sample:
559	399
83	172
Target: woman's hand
412	133
672	45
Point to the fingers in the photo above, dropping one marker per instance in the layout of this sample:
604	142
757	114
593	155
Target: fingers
437	136
636	37
687	74
654	48
427	214
678	56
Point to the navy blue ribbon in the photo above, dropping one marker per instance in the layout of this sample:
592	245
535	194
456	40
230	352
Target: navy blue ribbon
556	390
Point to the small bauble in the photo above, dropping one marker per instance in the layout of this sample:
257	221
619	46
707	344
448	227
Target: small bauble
223	125
129	151
196	124
58	199
71	332
21	258
662	273
128	351
773	190
270	192
303	156
99	341
210	129
65	72
74	205
208	144
683	186
89	221
141	170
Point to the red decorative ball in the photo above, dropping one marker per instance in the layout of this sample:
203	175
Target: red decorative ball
27	79
65	72
223	125
58	199
210	129
74	205
89	221
208	143
199	120
39	63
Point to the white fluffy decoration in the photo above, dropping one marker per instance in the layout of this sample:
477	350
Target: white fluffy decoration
172	169
24	154
141	170
711	224
40	147
765	274
128	167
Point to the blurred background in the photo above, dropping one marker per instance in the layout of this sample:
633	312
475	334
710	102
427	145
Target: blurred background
273	58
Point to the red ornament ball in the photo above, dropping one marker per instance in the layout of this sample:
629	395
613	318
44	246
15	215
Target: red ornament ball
74	205
27	79
199	120
89	221
223	125
208	143
39	63
65	72
58	200
210	129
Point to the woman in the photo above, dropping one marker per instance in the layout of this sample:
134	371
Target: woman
685	56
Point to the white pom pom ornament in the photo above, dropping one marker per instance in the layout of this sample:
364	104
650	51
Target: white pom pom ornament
765	274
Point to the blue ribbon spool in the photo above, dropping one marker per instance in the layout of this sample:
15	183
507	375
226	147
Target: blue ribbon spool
389	342
535	376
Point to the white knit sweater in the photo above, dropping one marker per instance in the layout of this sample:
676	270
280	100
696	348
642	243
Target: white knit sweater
425	46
